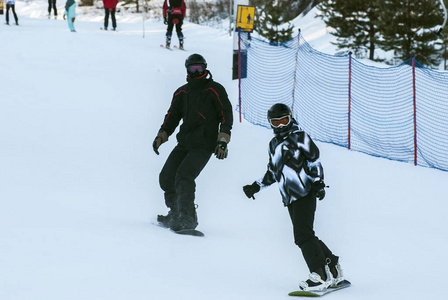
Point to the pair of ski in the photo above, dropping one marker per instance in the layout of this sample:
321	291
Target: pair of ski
341	285
175	47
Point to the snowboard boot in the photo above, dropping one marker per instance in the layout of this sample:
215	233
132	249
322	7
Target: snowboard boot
336	272
319	280
166	221
187	219
168	42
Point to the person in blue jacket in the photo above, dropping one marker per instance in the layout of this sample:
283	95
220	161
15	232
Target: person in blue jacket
70	14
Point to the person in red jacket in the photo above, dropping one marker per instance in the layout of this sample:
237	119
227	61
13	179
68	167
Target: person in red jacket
173	14
109	8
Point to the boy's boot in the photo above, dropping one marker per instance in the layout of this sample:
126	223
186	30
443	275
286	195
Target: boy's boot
319	280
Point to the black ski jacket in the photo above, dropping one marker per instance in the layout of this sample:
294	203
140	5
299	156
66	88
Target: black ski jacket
205	110
293	163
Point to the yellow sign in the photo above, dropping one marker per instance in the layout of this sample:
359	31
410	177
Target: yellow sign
2	6
245	17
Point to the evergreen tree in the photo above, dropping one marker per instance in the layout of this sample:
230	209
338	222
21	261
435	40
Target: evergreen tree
407	29
271	21
355	24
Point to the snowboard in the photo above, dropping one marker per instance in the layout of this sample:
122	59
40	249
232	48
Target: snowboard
192	232
342	285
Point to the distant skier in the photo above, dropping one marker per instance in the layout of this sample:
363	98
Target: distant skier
295	165
52	5
70	14
110	7
11	4
173	14
207	117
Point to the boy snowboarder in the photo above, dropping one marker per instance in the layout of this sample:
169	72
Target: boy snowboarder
295	165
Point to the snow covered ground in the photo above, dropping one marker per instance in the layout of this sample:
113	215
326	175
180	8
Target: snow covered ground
79	182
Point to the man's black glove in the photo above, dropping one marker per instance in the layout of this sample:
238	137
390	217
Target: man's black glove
318	189
251	189
165	21
161	138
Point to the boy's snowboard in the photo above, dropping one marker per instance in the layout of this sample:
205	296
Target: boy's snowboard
342	285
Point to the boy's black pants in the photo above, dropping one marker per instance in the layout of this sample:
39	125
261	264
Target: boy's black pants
314	251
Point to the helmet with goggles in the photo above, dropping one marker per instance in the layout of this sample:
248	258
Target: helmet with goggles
196	65
280	117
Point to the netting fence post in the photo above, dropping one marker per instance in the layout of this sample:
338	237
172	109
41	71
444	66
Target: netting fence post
415	110
239	71
295	72
349	99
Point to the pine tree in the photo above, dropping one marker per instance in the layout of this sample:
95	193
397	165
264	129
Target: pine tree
270	21
355	24
407	29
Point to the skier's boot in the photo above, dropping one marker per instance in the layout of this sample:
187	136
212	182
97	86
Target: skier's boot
181	43
319	280
168	41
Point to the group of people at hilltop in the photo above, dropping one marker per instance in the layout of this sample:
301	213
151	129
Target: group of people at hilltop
173	12
110	7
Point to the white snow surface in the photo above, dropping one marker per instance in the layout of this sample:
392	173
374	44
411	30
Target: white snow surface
79	189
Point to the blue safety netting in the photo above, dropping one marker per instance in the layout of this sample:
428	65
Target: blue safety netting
399	113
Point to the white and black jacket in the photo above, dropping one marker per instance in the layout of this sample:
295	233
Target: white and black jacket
293	163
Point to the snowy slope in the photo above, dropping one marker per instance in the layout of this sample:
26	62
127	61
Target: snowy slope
79	182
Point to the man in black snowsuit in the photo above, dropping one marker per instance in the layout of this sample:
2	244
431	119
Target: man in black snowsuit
295	165
206	113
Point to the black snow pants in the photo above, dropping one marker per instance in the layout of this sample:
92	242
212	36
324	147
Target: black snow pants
52	5
12	7
170	27
177	178
111	12
314	251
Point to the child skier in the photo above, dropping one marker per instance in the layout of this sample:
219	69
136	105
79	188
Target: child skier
295	165
70	12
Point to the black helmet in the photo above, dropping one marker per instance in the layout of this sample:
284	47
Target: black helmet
280	117
197	60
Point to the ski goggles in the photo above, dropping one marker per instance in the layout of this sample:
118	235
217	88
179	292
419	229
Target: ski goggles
200	68
280	122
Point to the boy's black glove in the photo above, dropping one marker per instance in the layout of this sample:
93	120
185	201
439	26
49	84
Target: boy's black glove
165	21
318	189
251	189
